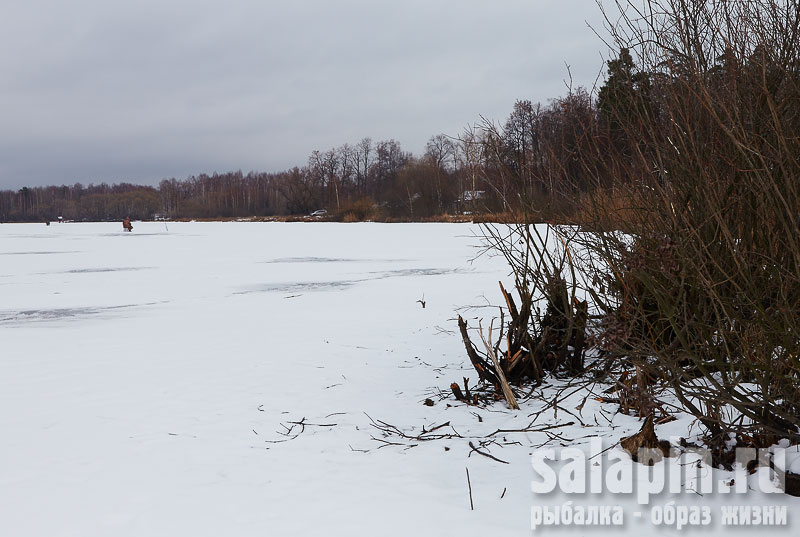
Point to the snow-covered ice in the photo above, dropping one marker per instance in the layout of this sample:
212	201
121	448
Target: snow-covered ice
146	378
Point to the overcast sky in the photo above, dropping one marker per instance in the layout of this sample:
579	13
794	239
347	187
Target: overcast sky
140	90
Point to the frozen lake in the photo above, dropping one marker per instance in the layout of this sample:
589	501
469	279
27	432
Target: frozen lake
212	379
142	375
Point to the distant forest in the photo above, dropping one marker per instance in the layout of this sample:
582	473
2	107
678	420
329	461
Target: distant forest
365	180
543	156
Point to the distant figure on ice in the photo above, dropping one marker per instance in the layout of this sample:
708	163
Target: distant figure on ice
126	224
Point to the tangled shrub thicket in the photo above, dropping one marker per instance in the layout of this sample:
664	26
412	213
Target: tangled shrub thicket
709	290
694	269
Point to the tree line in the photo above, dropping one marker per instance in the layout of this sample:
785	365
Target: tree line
363	180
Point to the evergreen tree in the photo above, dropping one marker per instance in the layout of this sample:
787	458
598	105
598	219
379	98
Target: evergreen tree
625	95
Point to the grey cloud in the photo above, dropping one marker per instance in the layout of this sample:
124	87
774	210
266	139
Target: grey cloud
100	90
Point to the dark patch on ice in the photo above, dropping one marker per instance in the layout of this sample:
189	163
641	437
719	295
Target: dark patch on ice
106	269
45	315
418	272
309	260
56	314
41	253
330	260
29	236
299	287
338	285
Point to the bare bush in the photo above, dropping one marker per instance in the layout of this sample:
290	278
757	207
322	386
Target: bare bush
708	291
685	181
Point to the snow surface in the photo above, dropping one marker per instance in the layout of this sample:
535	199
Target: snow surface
146	378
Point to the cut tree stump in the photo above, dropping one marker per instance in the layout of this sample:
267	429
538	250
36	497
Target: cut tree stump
792	487
483	368
507	393
456	389
644	446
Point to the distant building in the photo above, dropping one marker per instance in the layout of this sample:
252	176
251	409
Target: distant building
472	195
